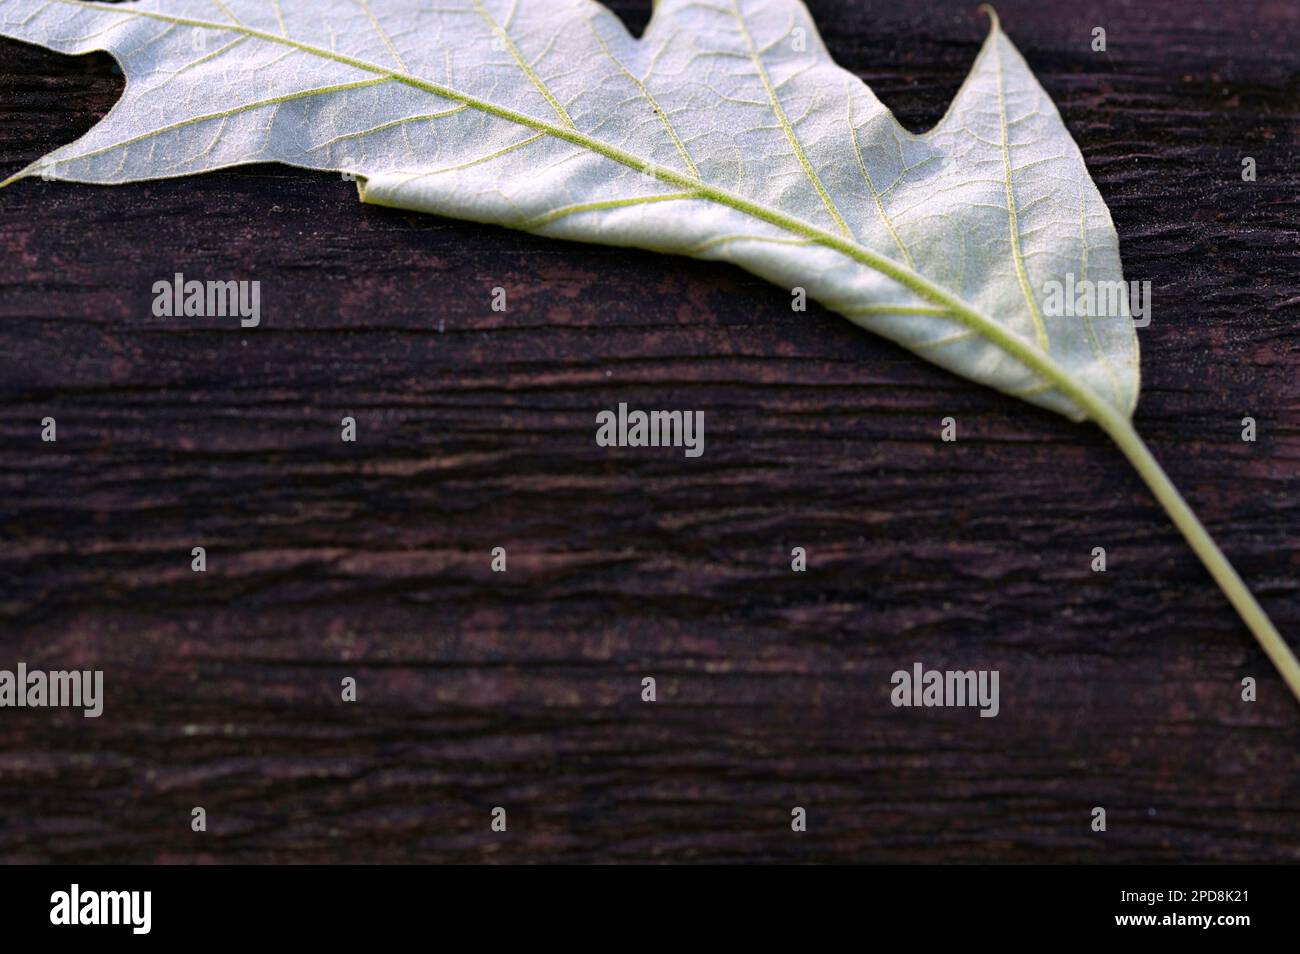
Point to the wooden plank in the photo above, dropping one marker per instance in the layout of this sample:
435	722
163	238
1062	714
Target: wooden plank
476	430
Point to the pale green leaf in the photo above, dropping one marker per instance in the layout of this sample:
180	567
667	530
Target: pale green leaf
726	132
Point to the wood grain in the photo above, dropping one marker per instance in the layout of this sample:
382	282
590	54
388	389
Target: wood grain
476	430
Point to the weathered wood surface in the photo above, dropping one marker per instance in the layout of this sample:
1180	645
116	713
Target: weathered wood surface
522	690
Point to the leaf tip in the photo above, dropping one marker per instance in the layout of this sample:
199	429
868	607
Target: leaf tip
23	173
13	178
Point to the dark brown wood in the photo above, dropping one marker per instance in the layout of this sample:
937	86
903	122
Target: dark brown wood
476	430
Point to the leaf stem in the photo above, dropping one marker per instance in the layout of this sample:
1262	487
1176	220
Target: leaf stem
1122	432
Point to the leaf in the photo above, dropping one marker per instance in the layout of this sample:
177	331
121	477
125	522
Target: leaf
726	132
